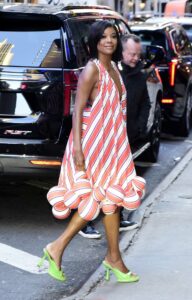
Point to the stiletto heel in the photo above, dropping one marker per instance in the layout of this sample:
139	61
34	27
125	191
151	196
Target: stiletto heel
53	271
40	263
120	276
107	273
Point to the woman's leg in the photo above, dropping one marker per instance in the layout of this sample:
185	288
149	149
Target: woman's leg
113	256
57	247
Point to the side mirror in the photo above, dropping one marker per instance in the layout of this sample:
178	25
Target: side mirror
154	54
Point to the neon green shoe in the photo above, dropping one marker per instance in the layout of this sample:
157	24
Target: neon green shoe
120	276
53	271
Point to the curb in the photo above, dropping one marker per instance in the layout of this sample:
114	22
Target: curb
140	214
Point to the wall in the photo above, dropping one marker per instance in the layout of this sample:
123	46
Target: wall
78	2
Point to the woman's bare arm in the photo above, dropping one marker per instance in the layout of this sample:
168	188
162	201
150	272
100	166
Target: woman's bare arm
85	90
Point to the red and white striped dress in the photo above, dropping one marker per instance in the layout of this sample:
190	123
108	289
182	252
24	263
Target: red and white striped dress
110	179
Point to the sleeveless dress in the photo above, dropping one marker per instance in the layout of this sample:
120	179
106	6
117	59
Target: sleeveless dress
110	179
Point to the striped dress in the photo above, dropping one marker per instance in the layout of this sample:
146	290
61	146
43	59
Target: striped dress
110	179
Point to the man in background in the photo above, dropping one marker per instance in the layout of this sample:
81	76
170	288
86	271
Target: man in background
138	102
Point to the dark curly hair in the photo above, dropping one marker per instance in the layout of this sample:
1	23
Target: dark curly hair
95	35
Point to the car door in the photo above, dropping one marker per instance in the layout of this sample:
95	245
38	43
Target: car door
183	70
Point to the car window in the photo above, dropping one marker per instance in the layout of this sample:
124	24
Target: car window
188	28
32	48
181	42
78	31
151	38
122	27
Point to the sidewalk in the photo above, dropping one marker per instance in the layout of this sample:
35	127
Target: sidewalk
160	251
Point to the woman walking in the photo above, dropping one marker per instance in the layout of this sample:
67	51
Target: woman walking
97	172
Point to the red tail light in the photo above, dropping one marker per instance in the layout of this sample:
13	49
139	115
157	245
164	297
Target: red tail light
173	65
70	80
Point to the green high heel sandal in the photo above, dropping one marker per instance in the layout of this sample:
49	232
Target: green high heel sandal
120	276
53	271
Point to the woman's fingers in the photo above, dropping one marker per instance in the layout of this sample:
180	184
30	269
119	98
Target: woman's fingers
80	166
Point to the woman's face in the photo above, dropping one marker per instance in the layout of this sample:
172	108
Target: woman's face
108	42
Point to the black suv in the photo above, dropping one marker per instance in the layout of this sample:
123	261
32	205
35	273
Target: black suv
42	51
175	69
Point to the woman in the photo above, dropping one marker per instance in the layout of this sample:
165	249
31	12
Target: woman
97	170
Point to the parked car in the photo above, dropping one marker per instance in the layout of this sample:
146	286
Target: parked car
186	22
175	69
42	51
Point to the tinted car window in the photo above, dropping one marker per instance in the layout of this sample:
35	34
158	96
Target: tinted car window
185	46
181	42
122	28
152	38
79	34
188	29
79	31
32	48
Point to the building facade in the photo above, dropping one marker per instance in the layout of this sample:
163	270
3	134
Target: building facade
124	7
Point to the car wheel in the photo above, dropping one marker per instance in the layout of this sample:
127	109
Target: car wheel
183	126
151	154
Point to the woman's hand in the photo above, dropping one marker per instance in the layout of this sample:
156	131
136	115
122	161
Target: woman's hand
79	160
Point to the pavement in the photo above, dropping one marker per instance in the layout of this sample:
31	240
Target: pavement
160	250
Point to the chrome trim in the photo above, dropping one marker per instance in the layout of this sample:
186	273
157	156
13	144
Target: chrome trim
76	69
12	141
4	75
141	150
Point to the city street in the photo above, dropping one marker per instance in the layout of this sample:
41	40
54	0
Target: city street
27	226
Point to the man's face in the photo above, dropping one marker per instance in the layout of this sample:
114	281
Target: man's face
131	53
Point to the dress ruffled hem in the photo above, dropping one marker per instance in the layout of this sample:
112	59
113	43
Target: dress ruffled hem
90	200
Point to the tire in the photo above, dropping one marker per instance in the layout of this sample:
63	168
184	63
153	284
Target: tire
184	124
151	154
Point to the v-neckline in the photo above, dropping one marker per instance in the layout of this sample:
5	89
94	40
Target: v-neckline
112	63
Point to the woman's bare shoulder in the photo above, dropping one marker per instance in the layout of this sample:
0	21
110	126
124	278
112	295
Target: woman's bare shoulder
90	71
